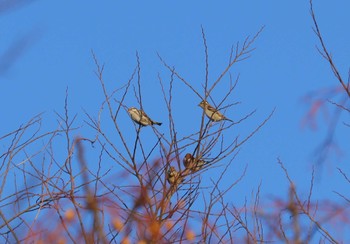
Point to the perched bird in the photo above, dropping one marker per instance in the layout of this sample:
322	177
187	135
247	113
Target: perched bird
199	165
191	163
140	117
188	161
212	113
173	177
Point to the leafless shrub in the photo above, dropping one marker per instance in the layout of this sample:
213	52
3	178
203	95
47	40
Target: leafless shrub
146	193
145	185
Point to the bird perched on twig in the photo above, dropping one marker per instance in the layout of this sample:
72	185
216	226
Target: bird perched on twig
191	163
140	117
212	113
188	161
173	177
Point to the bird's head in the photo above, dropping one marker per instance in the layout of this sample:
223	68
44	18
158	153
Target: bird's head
203	104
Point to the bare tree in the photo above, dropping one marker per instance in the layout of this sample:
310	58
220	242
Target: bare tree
152	189
114	179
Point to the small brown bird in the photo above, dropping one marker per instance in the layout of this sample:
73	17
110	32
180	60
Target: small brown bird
212	113
140	117
174	177
192	164
199	165
188	161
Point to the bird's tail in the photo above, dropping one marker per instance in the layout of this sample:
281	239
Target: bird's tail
156	123
229	120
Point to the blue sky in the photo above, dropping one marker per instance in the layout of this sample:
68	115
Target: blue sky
284	67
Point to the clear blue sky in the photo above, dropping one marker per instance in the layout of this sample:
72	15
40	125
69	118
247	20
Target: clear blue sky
284	67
